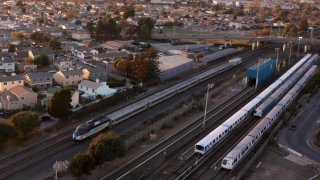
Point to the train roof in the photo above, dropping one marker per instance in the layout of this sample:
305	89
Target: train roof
212	135
274	111
230	121
252	104
239	147
145	101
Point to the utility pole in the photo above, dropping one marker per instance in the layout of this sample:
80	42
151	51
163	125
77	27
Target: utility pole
257	78
311	33
210	86
290	52
277	60
299	46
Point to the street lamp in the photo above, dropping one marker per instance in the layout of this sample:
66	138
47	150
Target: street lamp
277	60
60	166
299	46
290	52
210	86
257	77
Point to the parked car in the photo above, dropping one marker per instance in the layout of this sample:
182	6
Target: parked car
45	118
292	127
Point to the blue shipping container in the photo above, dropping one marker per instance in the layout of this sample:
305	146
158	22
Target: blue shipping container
267	68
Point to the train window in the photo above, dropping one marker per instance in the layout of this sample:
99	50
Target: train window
224	162
225	131
213	141
200	148
220	136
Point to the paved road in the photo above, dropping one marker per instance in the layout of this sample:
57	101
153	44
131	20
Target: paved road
43	168
307	121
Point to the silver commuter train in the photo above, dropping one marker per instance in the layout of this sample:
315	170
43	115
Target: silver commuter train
275	97
215	136
233	158
99	124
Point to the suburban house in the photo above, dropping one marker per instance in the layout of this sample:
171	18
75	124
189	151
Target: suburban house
38	80
8	82
49	94
110	55
26	67
18	97
68	78
45	51
63	64
7	64
80	35
83	52
92	89
90	73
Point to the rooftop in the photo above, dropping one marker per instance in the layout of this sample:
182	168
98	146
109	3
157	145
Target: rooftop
169	62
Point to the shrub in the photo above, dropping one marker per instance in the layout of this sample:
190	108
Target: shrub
25	122
82	164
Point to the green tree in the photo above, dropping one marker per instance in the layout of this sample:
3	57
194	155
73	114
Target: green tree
17	35
89	7
55	44
262	32
41	60
82	164
198	56
129	12
20	3
90	28
59	106
11	48
7	131
303	24
25	122
290	30
39	37
106	147
145	26
113	30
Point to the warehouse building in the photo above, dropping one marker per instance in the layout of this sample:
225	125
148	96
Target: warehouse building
262	71
172	66
217	55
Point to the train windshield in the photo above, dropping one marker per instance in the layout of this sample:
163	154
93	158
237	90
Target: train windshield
200	148
224	162
82	130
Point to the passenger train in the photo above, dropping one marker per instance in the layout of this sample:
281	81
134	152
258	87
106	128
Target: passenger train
214	137
97	125
277	95
232	159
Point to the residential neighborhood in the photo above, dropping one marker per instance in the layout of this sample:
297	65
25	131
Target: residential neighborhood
159	89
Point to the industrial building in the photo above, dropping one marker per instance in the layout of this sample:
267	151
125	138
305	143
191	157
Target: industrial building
171	66
217	55
261	72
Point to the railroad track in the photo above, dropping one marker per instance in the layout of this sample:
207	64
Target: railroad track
174	165
15	163
29	157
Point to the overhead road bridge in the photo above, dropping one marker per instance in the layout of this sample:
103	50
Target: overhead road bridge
237	37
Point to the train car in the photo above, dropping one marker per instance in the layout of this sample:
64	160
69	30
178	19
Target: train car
89	129
249	108
233	158
97	125
274	98
211	140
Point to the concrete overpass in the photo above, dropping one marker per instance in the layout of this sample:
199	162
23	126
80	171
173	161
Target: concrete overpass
229	37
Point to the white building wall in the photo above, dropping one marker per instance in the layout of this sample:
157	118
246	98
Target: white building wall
7	67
